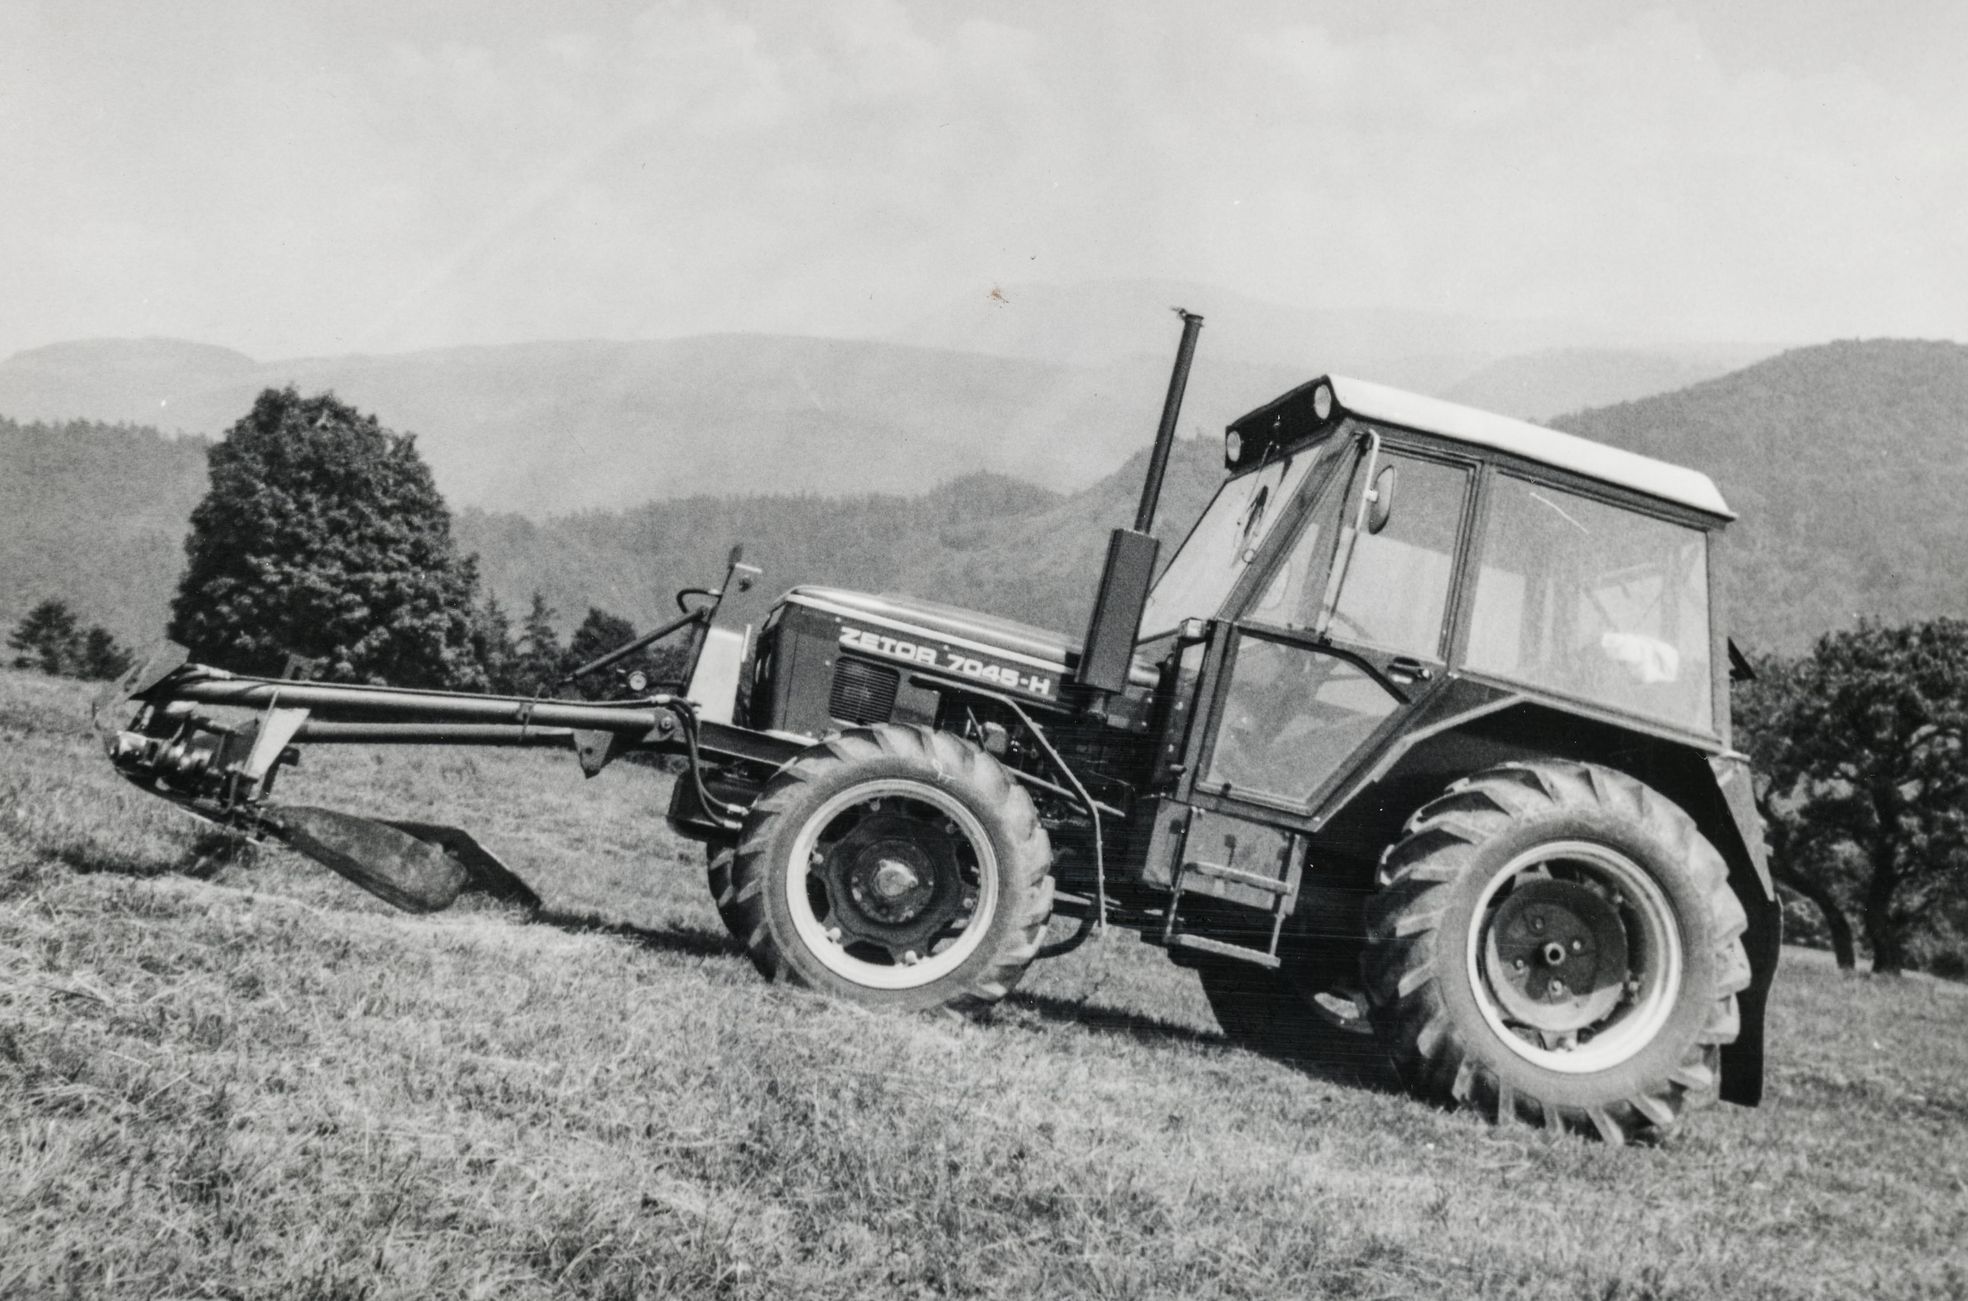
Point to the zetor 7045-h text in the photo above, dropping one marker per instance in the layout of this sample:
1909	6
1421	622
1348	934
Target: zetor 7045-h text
1421	733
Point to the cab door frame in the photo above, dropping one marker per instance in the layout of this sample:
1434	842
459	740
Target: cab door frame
1409	680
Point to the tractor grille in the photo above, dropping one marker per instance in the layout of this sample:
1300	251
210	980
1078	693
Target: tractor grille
863	692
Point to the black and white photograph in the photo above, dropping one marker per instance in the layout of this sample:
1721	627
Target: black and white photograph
861	649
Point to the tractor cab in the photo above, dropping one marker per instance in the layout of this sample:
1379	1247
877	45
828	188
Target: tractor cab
1375	557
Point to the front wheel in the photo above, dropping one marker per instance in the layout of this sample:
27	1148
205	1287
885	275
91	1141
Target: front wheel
1558	943
893	866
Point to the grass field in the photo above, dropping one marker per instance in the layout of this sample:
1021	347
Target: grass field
248	1079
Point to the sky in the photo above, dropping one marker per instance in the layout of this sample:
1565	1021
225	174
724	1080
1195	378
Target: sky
310	178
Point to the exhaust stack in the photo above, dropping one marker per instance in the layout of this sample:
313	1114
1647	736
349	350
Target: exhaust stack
1131	553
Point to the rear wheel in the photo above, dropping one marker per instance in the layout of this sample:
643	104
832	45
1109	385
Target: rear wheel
1558	943
894	866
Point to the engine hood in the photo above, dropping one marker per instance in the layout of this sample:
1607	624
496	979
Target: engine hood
1007	638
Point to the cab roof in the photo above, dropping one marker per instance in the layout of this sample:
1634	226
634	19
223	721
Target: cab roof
1293	415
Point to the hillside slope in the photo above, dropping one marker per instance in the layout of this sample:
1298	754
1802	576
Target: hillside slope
265	1083
95	515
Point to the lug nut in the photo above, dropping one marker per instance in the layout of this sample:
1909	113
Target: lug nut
1556	988
1578	946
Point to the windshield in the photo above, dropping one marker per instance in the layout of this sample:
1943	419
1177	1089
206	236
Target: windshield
1224	540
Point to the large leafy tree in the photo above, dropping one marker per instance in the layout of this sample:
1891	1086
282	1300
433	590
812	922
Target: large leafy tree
1863	747
1764	710
324	536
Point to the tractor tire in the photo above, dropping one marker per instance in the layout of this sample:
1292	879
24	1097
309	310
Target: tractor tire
895	867
724	893
1557	943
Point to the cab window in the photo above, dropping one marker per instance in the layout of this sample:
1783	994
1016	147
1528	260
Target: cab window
1395	593
1223	542
1588	599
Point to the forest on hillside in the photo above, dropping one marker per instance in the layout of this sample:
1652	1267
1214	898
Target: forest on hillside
1846	464
95	516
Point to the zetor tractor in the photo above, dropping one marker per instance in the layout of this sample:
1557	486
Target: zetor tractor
1422	732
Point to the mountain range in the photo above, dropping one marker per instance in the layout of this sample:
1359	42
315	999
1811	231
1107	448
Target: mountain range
1053	384
1846	461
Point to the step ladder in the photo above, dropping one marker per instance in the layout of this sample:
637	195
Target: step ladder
1270	897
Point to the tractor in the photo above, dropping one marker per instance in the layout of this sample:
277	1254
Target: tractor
1419	739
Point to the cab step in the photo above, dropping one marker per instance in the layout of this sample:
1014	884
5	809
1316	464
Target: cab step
1270	896
1221	949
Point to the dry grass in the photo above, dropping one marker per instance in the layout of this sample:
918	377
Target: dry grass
263	1083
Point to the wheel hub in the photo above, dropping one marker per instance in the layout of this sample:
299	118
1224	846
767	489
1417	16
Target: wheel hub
892	881
1556	955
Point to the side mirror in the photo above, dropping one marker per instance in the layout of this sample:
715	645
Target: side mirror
1380	499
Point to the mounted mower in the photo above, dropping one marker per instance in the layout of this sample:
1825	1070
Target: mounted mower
1422	733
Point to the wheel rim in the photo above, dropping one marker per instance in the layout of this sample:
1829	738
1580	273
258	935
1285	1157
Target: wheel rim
892	884
1575	956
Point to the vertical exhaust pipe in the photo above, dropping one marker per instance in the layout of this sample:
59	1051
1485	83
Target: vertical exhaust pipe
1131	553
1151	489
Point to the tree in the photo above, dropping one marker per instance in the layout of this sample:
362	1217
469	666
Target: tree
1763	710
49	638
540	657
492	644
598	634
323	535
1863	747
101	657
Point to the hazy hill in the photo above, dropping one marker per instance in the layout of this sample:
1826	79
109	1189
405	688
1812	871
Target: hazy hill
1055	384
1557	365
1539	385
1847	463
136	380
542	428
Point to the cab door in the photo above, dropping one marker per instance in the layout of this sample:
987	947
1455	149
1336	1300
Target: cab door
1334	643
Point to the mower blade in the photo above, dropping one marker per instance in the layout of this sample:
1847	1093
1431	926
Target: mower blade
483	870
414	875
